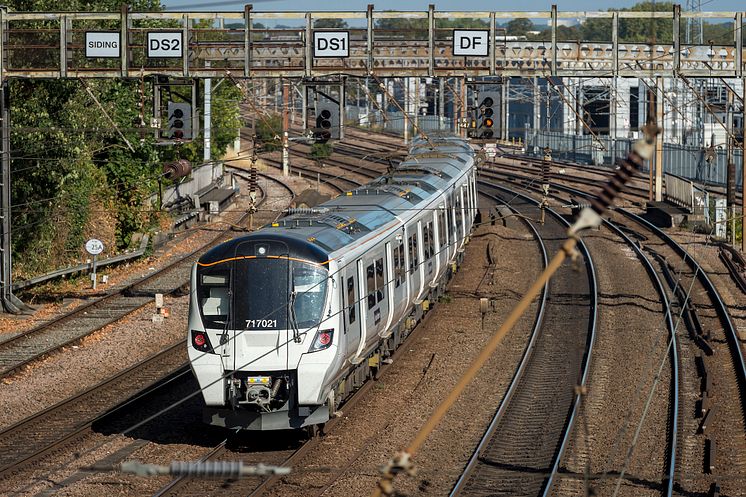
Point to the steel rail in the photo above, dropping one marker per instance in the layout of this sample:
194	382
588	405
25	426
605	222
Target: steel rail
592	280
14	346
722	310
81	428
527	352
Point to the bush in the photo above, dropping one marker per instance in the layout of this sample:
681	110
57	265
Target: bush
269	133
321	151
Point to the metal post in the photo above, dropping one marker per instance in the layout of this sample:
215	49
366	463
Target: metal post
579	108
285	155
743	170
342	100
405	110
730	182
206	155
417	102
10	302
506	109
441	102
537	107
659	140
304	104
464	106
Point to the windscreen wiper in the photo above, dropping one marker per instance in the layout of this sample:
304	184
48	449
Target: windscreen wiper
293	319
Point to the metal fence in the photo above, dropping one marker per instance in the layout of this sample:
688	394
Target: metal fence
681	160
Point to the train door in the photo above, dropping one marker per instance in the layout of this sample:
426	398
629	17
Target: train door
351	318
376	303
361	305
413	262
399	293
389	285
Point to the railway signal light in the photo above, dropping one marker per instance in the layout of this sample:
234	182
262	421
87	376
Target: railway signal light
179	121
327	119
487	112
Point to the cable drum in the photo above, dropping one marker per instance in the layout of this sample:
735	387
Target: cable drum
177	169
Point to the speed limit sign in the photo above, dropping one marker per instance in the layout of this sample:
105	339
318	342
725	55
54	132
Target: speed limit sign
94	247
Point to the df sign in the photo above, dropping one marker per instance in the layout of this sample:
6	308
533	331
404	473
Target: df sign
473	42
331	44
164	44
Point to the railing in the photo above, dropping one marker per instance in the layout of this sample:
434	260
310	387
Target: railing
686	194
254	44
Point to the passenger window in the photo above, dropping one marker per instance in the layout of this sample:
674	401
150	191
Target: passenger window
430	241
371	282
413	255
399	264
351	301
379	279
441	228
426	242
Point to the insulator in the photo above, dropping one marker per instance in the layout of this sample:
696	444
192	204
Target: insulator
307	210
627	168
178	169
211	469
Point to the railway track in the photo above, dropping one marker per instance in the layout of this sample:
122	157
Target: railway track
64	424
68	329
708	455
520	448
264	448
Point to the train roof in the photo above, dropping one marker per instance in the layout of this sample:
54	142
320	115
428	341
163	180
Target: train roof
429	168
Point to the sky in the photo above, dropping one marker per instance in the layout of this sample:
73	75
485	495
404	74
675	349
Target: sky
446	5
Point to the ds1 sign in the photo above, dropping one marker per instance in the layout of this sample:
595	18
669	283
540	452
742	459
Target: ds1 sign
163	44
331	44
470	42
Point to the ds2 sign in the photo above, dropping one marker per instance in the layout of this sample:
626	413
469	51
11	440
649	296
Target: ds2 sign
163	44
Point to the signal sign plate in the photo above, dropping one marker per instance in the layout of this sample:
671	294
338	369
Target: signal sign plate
472	42
165	44
328	44
102	44
94	246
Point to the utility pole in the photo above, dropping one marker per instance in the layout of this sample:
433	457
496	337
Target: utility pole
207	153
504	107
441	102
659	140
730	182
417	101
743	169
10	302
285	126
406	110
464	107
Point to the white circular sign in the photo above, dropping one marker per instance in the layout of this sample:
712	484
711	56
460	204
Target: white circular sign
94	247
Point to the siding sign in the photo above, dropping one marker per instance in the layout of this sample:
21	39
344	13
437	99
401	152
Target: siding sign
101	44
164	45
470	42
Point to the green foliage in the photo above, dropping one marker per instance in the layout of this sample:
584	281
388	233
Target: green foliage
73	173
321	151
268	132
330	23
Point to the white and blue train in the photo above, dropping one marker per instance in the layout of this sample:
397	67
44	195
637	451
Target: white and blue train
286	322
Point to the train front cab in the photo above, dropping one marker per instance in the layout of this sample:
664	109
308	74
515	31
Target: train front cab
262	340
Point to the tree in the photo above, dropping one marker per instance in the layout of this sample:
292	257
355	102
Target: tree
330	23
518	27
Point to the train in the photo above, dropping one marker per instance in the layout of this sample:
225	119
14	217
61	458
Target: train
288	321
